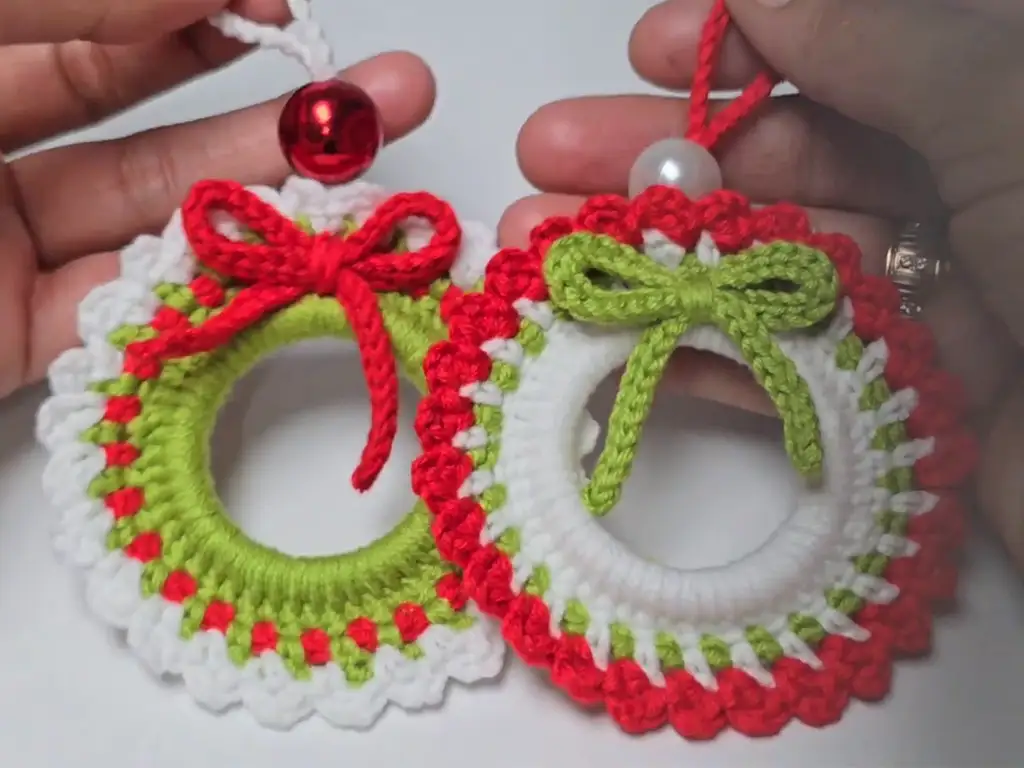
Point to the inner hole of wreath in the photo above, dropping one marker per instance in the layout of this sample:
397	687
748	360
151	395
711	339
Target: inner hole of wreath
711	482
286	443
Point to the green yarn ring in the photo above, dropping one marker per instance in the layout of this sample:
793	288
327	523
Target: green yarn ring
178	438
295	595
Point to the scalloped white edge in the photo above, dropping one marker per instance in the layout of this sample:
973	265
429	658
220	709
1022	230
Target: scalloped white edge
541	536
152	624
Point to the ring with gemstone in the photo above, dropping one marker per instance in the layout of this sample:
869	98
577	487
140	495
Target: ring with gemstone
914	263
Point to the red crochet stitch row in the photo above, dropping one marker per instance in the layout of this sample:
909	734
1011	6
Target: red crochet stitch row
851	669
410	618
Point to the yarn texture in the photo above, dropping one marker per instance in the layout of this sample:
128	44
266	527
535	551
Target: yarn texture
236	275
816	615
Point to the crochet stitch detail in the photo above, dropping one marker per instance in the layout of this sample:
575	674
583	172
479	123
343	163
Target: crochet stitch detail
797	629
242	623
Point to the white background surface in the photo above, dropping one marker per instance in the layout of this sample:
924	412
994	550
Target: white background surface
710	483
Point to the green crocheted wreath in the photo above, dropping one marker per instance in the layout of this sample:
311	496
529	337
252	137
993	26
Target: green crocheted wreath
241	622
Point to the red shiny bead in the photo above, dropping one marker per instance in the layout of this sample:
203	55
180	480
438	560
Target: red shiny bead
330	131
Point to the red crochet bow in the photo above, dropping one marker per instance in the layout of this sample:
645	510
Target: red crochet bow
290	264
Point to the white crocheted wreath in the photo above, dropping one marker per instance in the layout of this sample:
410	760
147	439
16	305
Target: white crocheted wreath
241	623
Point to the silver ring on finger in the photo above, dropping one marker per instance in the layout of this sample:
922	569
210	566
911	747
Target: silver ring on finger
915	262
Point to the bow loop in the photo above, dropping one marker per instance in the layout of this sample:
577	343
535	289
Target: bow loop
594	278
289	256
417	268
582	271
281	256
787	285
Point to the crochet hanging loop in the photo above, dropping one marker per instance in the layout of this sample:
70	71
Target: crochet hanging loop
750	297
703	128
688	163
289	264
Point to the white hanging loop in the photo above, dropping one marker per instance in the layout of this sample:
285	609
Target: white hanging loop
302	40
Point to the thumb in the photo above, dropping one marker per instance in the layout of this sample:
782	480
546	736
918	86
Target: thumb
877	61
105	21
1000	482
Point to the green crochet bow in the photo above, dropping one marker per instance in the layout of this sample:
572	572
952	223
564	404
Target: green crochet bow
749	296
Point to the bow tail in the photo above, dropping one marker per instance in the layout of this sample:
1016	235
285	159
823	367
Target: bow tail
633	402
380	369
246	308
779	377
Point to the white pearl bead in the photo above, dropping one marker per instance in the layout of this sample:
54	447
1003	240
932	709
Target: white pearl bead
676	163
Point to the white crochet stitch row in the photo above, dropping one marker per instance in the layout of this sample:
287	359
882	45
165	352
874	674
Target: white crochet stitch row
302	40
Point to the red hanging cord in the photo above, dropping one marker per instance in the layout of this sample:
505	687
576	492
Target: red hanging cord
704	129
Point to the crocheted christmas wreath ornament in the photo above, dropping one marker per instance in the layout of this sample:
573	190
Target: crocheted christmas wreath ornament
130	418
798	627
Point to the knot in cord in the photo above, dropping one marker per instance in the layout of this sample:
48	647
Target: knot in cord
329	257
698	296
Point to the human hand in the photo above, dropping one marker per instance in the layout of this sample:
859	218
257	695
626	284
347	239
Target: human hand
908	110
64	212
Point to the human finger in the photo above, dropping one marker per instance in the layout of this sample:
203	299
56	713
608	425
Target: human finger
663	44
101	21
985	235
819	45
663	47
794	150
54	308
97	196
77	83
17	268
1000	481
970	343
967	129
